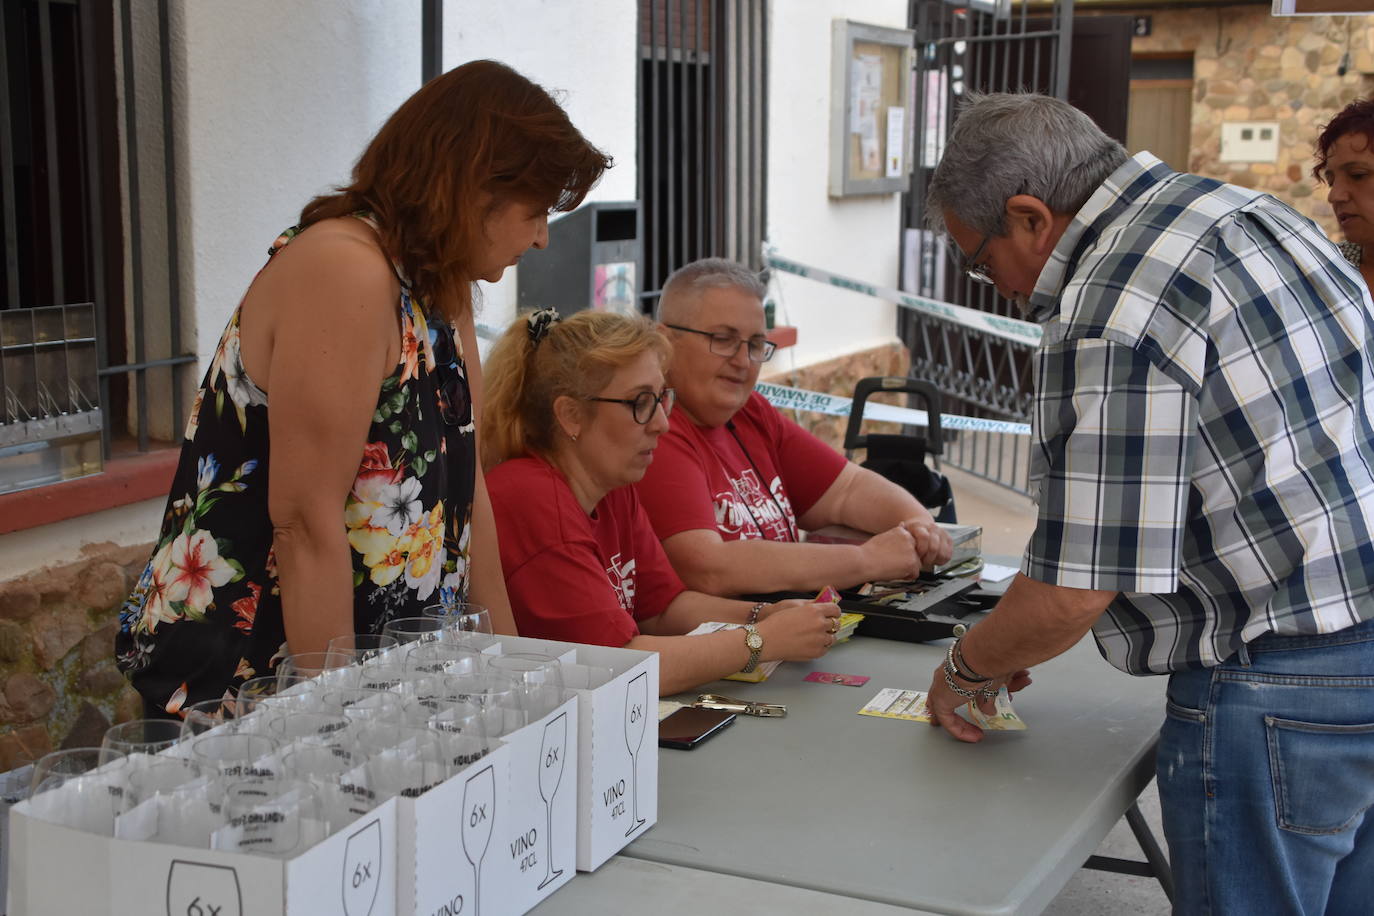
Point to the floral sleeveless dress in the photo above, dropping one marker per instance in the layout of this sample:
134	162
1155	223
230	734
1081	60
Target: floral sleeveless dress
206	613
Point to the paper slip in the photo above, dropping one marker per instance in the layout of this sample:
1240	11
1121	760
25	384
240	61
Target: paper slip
994	573
891	703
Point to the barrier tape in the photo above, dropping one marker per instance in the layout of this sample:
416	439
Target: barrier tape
1022	332
817	402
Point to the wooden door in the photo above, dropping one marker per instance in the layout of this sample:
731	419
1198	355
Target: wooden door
1161	119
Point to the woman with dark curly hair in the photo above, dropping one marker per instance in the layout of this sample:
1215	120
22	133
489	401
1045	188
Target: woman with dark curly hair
329	478
1345	162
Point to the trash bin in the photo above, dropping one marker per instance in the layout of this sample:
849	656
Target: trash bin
592	262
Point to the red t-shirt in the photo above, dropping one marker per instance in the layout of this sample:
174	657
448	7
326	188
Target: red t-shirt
572	576
748	479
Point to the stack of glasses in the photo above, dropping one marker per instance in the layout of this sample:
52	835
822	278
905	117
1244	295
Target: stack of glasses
292	757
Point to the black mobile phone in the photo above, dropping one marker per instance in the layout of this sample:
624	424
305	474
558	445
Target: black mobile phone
689	726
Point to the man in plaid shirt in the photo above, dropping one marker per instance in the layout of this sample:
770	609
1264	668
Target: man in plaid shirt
1204	468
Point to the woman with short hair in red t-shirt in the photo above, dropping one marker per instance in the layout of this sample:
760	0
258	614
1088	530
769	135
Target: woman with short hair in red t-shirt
574	408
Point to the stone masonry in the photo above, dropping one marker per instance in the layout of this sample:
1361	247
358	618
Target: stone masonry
58	682
1251	66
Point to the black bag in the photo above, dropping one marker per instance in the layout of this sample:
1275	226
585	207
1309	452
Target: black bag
902	459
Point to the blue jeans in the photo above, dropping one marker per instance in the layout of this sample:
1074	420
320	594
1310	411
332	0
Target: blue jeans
1266	772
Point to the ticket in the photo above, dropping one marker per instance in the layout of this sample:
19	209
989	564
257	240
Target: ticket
891	703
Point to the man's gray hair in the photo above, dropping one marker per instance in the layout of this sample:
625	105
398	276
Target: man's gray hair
1004	144
690	280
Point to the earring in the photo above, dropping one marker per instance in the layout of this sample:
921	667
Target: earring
572	437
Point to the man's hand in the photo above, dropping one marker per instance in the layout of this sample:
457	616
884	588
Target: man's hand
944	704
933	545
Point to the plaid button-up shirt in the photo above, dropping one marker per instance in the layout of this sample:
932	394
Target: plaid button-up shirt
1204	442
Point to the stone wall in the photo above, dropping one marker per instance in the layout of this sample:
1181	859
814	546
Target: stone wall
58	683
838	377
1251	66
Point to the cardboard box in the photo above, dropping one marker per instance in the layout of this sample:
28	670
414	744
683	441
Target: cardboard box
559	795
57	871
617	745
500	836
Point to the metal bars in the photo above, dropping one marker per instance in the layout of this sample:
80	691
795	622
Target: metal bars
702	111
59	191
985	47
431	40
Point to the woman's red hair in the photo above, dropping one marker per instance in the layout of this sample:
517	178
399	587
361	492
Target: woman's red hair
478	127
1355	118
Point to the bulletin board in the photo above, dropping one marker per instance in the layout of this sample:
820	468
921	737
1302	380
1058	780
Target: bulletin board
870	109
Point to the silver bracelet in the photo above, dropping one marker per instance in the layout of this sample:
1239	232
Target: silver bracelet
963	667
961	691
954	668
755	610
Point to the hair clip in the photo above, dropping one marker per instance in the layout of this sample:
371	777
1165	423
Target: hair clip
539	322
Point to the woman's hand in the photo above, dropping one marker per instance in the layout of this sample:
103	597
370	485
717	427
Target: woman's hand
799	630
891	555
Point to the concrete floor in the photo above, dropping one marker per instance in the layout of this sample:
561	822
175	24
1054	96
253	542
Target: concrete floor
1007	521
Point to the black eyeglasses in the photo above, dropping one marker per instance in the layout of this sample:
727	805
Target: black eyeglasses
978	273
727	345
642	405
455	403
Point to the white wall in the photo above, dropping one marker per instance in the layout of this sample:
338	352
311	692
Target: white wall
855	236
276	102
586	54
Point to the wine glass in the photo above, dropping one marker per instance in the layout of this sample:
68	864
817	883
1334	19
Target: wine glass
402	759
363	704
142	736
82	788
538	680
414	629
442	658
322	665
498	699
636	720
208	715
464	622
479	816
361	648
331	769
153	776
276	816
284	690
551	753
237	756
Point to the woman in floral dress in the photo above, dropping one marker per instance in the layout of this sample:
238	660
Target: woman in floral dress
328	479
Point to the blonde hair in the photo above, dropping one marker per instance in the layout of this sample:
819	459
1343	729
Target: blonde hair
575	357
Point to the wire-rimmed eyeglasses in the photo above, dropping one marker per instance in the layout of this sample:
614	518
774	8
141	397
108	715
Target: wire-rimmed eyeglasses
978	273
642	405
727	345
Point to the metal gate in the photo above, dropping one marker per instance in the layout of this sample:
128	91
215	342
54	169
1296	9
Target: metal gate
703	107
984	46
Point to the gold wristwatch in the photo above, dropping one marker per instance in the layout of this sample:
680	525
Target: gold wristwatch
753	639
